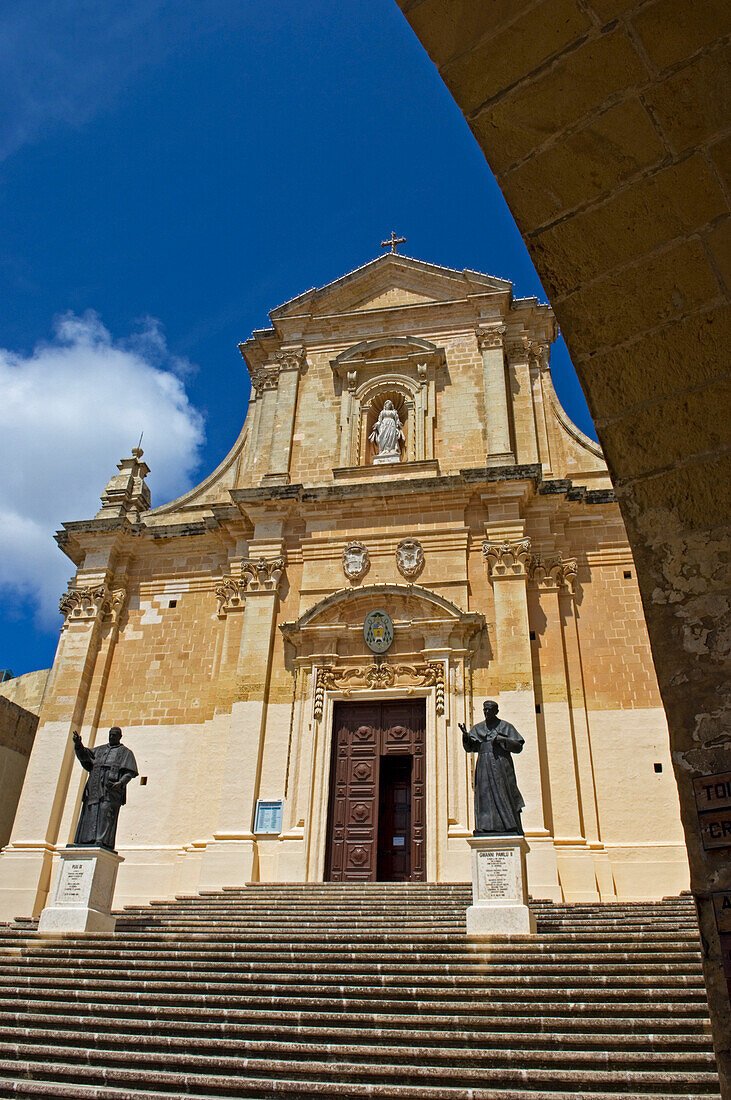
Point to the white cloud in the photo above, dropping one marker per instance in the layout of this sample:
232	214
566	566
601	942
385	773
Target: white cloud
68	412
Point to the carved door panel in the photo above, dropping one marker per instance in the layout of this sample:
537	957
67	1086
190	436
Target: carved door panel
404	731
363	734
353	841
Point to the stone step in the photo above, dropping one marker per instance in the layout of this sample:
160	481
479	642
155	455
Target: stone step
221	1032
221	1077
36	1089
599	1019
52	953
307	990
623	1002
230	1054
428	985
450	972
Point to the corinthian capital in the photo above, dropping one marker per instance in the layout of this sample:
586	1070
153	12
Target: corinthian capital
554	572
517	347
265	378
507	559
92	604
291	359
262	575
488	338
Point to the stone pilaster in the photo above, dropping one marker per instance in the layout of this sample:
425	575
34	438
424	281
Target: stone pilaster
508	561
499	446
575	863
582	732
539	357
230	857
521	387
289	365
90	606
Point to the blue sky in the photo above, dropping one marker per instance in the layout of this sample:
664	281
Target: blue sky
170	172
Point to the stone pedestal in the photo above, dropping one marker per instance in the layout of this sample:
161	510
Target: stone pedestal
499	887
82	895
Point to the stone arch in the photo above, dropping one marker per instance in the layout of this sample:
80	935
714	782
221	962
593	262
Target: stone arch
607	140
419	609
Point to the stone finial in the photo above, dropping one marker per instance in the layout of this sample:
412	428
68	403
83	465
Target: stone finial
126	494
507	559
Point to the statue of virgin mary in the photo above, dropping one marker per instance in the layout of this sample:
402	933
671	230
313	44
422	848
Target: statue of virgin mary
387	434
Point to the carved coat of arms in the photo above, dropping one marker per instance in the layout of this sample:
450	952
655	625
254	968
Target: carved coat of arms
410	558
378	631
356	561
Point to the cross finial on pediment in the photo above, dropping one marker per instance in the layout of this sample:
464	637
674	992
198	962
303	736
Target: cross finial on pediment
393	242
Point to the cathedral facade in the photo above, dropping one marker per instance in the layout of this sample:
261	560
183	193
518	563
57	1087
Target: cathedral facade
408	524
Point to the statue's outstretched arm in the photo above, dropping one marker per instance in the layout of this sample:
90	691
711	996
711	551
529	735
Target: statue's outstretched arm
83	755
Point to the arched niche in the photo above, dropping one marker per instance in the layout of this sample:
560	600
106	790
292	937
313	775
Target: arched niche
399	368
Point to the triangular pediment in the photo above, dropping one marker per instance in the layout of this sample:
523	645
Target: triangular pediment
391	282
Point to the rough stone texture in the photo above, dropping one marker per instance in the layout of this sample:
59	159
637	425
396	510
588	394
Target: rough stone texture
612	154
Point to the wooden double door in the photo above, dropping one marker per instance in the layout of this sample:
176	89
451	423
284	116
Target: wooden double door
376	819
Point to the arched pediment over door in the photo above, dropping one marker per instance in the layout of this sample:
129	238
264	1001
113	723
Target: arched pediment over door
401	369
425	623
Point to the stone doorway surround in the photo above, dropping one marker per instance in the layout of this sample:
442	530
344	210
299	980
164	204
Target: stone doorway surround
365	737
430	660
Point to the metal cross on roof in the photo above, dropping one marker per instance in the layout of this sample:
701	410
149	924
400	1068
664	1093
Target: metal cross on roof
393	242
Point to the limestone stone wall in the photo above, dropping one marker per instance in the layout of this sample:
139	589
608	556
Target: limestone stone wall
17	731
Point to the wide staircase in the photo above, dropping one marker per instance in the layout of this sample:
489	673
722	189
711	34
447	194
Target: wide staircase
358	991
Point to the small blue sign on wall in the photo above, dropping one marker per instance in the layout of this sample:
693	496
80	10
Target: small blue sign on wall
268	817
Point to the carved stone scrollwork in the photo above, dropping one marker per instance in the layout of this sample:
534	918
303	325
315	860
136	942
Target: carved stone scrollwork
356	560
507	559
410	558
378	677
261	575
90	604
539	355
554	573
230	594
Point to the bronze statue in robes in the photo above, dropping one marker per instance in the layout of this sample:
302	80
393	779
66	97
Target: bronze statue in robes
111	767
498	801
